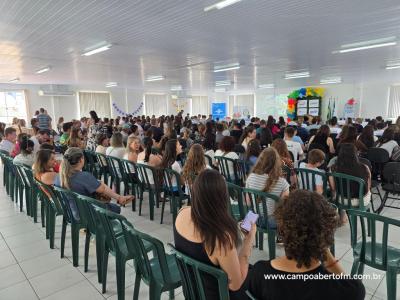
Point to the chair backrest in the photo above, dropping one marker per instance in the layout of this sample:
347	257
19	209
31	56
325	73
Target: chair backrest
226	165
87	205
208	160
306	179
366	162
90	160
71	204
287	172
135	243
114	165
145	173
260	202
236	197
105	217
102	159
391	174
369	223
21	174
169	177
29	175
343	195
378	158
48	193
192	273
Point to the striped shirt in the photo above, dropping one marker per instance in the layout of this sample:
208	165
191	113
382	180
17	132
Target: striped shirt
257	182
44	121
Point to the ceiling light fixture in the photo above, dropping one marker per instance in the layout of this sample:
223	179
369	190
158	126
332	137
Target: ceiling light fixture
365	45
97	50
223	83
14	80
220	90
330	80
297	75
155	78
266	86
393	67
176	88
221	5
45	69
228	67
111	84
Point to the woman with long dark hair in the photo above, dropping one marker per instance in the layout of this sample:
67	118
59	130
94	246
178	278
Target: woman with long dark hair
93	130
249	134
349	136
252	152
367	136
272	126
387	142
207	232
147	157
323	140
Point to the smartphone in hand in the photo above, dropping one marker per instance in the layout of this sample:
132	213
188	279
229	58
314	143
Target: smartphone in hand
250	218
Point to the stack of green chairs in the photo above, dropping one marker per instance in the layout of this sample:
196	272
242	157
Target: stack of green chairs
23	188
160	273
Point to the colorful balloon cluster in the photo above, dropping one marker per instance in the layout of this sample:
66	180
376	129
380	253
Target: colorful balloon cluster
298	94
121	112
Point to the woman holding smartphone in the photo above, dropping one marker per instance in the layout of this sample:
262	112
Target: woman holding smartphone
207	232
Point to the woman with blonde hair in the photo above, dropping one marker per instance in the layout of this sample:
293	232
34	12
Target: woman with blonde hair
133	148
116	148
73	178
266	177
194	165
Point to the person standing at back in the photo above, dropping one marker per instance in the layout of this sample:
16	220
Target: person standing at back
44	120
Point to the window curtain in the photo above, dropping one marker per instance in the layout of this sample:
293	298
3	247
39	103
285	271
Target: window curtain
200	105
394	102
245	102
99	102
155	104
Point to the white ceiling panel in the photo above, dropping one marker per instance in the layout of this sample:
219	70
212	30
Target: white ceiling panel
176	38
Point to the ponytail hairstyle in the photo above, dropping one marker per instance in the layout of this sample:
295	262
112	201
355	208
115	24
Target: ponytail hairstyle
71	158
147	144
26	145
269	163
246	132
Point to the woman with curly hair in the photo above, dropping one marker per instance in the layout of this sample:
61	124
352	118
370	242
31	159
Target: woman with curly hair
307	223
194	165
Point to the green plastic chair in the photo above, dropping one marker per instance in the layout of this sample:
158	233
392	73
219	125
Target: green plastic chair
12	179
258	203
3	155
175	194
145	173
131	185
286	171
86	208
36	197
306	179
372	251
104	170
74	216
115	167
209	160
192	273
23	188
91	163
160	272
237	207
342	197
239	169
53	209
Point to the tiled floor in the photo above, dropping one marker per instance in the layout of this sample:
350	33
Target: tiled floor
29	269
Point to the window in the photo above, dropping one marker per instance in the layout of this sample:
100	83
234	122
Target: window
97	101
200	105
394	102
12	104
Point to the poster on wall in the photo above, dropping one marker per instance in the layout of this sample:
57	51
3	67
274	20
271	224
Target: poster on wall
302	103
218	110
302	111
313	111
313	103
240	112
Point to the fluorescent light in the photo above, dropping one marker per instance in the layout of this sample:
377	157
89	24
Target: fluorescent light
155	78
43	70
266	86
97	50
228	67
14	80
330	80
223	83
297	75
111	84
367	47
221	4
391	67
176	88
220	90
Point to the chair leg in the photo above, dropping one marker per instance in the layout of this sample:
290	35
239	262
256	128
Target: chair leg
272	244
260	240
21	197
380	208
63	233
360	270
140	202
87	244
155	291
43	213
355	266
104	264
151	204
52	229
75	244
120	270
99	257
391	283
163	207
138	279
171	294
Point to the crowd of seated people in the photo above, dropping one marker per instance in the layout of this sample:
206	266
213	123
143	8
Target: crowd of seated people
270	150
